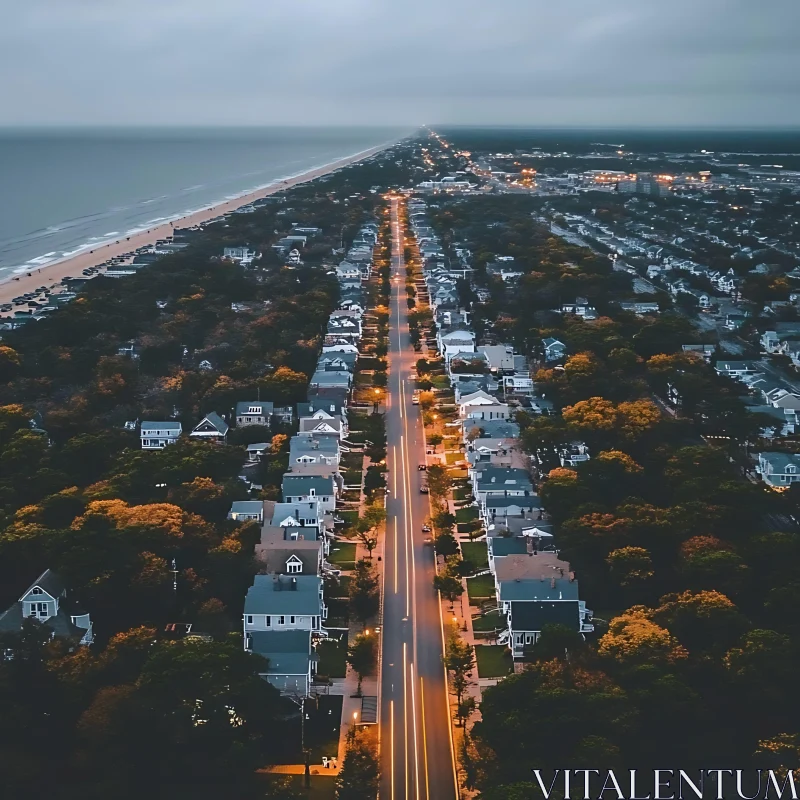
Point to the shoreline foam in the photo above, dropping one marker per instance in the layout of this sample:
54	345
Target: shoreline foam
24	279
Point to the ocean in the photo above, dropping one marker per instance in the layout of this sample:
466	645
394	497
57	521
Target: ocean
66	191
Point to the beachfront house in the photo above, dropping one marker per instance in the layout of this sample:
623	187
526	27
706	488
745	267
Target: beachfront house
157	435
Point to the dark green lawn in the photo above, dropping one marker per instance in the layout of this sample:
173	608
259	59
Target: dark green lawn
494	660
493	621
480	587
466	514
343	554
476	553
333	656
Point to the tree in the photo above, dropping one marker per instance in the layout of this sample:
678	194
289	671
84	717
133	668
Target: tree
633	639
465	708
630	565
366	528
459	659
448	581
358	779
435	439
439	482
362	655
364	598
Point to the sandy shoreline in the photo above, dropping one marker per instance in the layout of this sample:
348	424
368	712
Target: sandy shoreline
15	285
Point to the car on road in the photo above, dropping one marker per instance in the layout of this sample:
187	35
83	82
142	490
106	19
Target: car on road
422	467
426	528
427	541
424	490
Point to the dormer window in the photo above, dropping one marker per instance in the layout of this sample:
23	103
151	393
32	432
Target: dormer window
791	469
294	565
36	590
254	410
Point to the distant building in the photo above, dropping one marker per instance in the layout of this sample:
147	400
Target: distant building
157	435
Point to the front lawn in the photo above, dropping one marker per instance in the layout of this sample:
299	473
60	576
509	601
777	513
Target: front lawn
466	514
338	612
454	458
477	554
343	555
332	654
494	660
481	587
493	621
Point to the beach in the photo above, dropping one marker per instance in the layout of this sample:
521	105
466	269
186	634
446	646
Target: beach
53	274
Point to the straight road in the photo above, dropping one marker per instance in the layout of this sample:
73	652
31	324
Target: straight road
417	759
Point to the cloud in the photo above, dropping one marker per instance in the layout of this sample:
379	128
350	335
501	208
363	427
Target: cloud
578	62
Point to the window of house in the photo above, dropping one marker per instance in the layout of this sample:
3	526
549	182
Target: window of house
268	621
249	619
291	620
294	567
36	590
282	620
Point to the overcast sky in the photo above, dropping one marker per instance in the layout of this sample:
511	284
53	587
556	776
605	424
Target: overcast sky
538	62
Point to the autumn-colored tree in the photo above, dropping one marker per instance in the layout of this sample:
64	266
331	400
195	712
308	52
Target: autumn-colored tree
620	459
638	416
10	363
594	414
633	638
630	565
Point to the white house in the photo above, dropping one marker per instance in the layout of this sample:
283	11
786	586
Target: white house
247	511
212	428
157	435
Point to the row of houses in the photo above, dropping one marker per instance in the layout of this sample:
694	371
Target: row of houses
284	610
534	587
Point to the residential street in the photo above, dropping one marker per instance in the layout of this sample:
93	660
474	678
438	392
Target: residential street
417	758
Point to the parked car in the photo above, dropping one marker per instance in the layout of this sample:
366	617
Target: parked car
426	528
422	467
424	490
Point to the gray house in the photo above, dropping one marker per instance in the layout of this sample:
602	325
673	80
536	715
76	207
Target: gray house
255	412
45	601
211	428
310	488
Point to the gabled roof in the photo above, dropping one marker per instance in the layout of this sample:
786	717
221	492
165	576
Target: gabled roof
288	652
161	426
264	407
212	420
49	582
284	594
528	589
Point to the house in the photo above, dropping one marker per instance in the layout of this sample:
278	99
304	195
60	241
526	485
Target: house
45	601
573	454
489	412
477	398
455	341
331	379
241	254
257	451
277	553
330	399
488	429
306	449
704	350
282	616
247	511
779	470
306	514
254	412
157	435
495	506
554	349
501	481
321	423
499	357
526	619
771	342
640	309
211	428
737	369
310	488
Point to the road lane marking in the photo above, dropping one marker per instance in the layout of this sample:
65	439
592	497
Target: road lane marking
414	711
424	734
391	741
405	714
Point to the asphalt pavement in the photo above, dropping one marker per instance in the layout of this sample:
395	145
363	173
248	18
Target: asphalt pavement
417	758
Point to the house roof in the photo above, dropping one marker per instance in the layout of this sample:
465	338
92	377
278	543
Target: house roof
538	589
288	652
50	582
534	615
523	501
283	594
510	476
264	407
274	559
301	485
543	565
215	421
300	444
507	545
493	428
161	426
247	507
